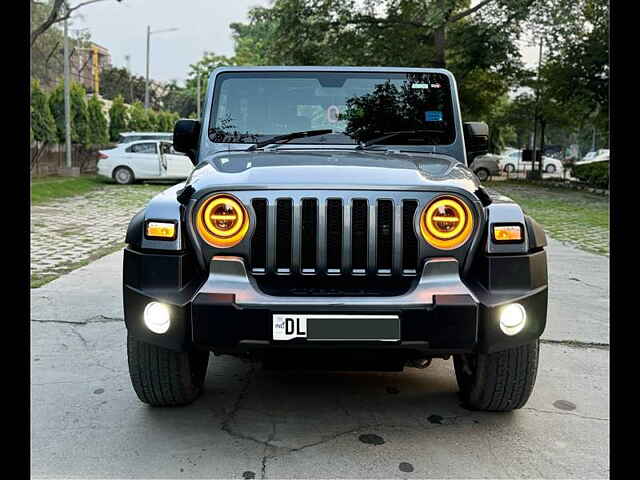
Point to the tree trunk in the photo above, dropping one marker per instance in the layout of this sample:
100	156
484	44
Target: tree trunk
440	37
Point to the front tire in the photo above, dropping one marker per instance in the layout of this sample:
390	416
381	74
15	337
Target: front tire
163	377
551	168
500	381
509	168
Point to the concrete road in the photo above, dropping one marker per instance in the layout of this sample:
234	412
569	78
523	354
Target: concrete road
88	423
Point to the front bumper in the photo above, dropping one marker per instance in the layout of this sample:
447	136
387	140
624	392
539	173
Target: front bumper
227	313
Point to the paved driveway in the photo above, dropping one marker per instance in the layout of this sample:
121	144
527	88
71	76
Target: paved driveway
88	423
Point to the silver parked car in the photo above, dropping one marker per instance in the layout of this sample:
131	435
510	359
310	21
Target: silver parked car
486	166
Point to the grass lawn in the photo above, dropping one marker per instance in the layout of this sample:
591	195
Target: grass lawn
50	188
573	216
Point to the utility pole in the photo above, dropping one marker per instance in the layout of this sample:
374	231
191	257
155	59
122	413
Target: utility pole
146	83
67	100
535	118
198	97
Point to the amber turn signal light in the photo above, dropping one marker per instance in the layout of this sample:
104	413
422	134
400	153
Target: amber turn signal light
157	230
507	233
446	223
222	221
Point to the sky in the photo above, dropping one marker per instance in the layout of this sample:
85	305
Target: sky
203	25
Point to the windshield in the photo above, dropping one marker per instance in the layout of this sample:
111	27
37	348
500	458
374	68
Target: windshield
411	108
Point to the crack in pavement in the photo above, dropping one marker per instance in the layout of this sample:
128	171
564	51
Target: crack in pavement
576	344
93	319
565	413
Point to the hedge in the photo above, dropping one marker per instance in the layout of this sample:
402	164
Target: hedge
594	174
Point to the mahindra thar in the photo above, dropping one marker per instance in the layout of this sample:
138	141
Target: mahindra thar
331	222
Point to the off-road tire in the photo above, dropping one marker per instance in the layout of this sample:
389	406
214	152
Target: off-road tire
483	174
165	378
123	179
500	381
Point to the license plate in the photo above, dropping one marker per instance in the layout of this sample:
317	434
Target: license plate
384	328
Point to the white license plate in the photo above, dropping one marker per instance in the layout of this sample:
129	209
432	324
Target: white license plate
336	327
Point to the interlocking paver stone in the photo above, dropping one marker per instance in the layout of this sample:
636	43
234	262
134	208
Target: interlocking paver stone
68	232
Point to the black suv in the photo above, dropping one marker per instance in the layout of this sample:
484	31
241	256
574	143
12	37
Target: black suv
331	221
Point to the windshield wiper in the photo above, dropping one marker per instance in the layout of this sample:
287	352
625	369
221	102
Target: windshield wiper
287	137
377	140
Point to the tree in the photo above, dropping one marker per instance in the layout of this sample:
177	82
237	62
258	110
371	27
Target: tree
118	81
138	118
43	126
79	118
118	118
79	115
98	127
42	121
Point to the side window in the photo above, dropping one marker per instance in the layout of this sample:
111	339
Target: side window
143	148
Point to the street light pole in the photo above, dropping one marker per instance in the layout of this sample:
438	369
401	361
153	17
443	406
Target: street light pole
146	83
67	100
198	97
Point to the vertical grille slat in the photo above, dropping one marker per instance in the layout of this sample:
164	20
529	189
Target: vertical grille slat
259	240
309	236
334	236
322	236
409	239
384	233
346	237
283	235
397	244
296	237
372	236
359	225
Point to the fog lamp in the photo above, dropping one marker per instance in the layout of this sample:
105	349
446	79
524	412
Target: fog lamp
512	319
157	317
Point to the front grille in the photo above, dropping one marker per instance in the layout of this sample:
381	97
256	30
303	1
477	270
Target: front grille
334	237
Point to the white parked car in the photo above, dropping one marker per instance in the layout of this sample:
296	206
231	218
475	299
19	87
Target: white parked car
128	137
601	155
512	162
143	160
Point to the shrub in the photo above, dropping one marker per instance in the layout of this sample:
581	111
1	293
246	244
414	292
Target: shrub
594	174
118	118
98	128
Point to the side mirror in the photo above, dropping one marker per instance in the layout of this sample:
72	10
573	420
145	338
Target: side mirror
186	134
476	139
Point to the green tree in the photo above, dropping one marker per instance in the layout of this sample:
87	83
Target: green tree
43	127
42	121
79	118
138	118
118	118
80	133
98	127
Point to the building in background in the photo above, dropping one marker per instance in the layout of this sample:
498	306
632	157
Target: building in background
86	62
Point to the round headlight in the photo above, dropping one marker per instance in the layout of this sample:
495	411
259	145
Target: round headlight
446	223
222	221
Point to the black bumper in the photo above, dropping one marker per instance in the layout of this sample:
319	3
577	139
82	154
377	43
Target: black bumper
223	322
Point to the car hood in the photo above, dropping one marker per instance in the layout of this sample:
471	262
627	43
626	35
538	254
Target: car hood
331	169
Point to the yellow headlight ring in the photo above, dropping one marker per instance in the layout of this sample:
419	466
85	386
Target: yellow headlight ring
211	233
458	235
